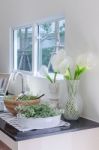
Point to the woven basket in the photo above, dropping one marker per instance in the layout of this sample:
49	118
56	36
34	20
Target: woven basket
12	103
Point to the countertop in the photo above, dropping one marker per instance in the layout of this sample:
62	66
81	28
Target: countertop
80	124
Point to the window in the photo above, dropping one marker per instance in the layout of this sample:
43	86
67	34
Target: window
48	38
22	42
51	36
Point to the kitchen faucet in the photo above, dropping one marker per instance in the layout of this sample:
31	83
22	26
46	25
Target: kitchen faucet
22	79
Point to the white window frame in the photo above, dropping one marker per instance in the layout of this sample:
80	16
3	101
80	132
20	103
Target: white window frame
52	19
14	56
34	26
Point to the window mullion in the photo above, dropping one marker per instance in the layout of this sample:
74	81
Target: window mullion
35	49
39	48
57	35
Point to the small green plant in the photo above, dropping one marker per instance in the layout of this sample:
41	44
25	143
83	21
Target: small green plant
38	111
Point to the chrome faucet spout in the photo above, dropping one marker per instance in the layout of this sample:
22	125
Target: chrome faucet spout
22	80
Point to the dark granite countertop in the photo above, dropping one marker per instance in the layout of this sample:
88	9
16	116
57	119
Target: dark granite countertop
80	124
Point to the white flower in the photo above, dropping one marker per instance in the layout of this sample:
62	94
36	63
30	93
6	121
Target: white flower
43	70
64	64
57	59
67	62
88	60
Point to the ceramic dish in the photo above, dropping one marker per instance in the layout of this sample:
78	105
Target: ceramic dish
39	123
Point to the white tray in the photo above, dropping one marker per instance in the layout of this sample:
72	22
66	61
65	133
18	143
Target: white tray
24	124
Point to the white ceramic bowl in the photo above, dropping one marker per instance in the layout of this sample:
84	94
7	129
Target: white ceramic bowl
39	123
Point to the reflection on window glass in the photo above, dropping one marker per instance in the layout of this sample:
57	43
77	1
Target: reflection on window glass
62	31
23	48
51	36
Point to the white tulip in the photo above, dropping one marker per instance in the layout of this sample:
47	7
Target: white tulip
67	62
43	70
57	59
87	59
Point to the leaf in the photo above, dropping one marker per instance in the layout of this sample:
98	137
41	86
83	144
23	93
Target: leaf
76	72
68	75
79	70
82	70
49	78
38	111
55	74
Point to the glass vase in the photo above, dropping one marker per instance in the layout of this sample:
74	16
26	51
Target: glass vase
54	90
73	105
54	94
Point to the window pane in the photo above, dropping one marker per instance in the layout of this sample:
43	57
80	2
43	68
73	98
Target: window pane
47	42
51	37
46	54
47	35
23	49
62	32
46	28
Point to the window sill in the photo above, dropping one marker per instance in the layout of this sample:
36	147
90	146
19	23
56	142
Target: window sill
58	78
38	75
24	72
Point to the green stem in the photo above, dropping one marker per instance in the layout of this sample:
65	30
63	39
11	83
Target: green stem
49	78
55	74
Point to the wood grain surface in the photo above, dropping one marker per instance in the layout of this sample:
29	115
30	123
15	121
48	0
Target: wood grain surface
3	146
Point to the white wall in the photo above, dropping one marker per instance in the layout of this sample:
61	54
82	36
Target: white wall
82	31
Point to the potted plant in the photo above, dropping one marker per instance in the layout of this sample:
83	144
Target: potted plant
38	116
72	72
53	85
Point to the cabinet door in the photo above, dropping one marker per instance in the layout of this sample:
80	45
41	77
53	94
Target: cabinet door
86	139
54	142
57	142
